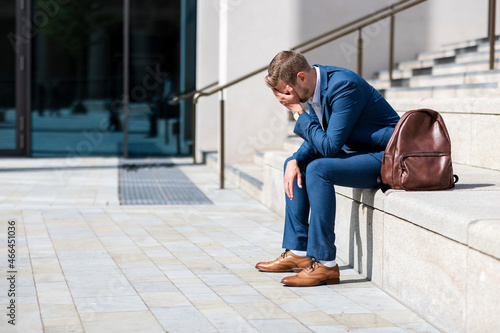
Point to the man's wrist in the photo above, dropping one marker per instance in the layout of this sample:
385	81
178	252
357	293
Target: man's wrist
297	113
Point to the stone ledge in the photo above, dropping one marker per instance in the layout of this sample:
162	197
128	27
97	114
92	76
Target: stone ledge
458	214
484	236
467	214
454	214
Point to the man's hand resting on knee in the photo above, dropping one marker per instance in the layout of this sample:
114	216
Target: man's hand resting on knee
292	173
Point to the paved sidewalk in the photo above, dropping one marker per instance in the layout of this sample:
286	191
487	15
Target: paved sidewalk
83	263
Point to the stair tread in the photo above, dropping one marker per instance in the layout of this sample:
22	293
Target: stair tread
449	105
450	75
408	73
450	86
251	172
466	43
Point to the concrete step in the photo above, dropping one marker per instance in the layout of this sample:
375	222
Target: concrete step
414	64
430	55
249	177
439	80
474	66
479	90
464	57
455	79
291	126
475	56
258	158
292	144
441	69
467	43
485	47
472	47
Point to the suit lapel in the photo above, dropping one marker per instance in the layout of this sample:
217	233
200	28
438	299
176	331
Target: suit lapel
324	88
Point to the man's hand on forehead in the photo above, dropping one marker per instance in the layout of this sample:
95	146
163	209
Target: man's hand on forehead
288	98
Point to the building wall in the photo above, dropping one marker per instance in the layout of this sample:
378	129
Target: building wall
239	36
207	72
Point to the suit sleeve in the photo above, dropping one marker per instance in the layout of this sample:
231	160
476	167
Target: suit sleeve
306	151
345	105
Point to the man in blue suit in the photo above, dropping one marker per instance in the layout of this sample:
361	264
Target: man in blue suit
345	133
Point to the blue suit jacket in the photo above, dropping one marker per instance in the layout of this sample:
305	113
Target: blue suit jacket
355	116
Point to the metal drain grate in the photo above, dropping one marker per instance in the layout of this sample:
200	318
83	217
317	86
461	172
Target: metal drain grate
157	182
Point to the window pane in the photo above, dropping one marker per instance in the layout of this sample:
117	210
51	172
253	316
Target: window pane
7	75
77	80
154	121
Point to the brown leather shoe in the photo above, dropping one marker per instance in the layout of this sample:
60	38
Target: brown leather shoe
314	275
286	262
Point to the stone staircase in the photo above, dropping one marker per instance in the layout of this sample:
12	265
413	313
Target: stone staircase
436	252
459	70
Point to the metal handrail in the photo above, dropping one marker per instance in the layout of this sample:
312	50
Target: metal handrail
353	26
190	94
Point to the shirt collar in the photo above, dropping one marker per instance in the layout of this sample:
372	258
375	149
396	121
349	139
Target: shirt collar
316	98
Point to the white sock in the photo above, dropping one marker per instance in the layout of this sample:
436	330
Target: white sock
299	253
328	263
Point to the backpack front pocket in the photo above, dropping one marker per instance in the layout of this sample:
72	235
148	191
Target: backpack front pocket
426	171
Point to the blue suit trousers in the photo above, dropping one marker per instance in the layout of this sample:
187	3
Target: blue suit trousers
310	216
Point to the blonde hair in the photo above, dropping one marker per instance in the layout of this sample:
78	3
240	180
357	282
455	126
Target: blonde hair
285	66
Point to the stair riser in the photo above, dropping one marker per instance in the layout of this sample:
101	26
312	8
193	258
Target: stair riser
416	64
461	68
484	47
440	70
436	55
258	159
482	56
455	80
236	177
238	181
428	81
442	93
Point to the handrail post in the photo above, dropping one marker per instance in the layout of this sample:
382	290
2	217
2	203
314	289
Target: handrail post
221	148
391	48
360	52
491	31
196	96
193	125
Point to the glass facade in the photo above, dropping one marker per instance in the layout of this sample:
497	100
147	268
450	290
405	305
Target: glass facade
154	78
7	77
76	77
76	74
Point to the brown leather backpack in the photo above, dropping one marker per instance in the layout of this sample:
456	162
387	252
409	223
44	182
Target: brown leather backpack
418	154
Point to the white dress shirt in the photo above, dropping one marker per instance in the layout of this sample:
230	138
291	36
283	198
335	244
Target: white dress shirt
315	100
